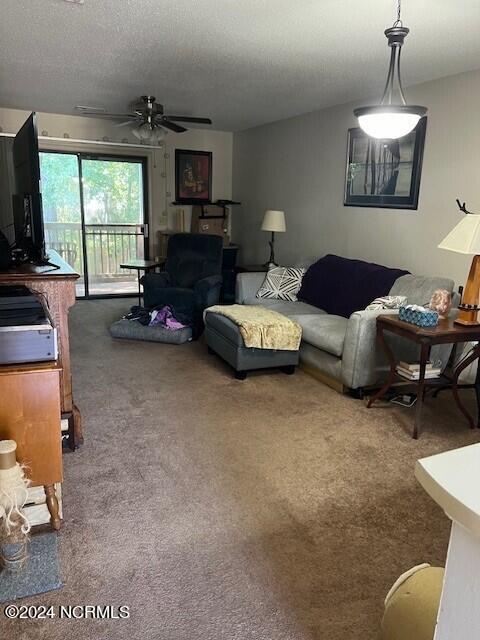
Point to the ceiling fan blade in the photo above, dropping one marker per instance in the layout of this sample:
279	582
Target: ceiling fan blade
124	124
95	114
189	119
172	126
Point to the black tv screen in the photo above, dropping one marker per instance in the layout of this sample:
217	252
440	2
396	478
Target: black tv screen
27	200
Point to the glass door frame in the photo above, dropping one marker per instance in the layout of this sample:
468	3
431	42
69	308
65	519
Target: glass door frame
86	155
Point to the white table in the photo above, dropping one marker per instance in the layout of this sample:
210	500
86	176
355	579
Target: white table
452	479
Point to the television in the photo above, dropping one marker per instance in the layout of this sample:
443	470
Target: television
27	198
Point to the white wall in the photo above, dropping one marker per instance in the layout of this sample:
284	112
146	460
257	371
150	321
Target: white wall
161	169
299	165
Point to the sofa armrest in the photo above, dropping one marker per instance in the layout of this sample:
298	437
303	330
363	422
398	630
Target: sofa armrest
361	358
207	291
155	280
247	285
152	284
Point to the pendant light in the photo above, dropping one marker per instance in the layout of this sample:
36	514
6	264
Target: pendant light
391	120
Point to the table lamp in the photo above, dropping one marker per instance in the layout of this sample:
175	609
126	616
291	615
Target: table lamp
465	238
273	221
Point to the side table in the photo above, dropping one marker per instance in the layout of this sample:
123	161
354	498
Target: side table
141	265
446	332
452	479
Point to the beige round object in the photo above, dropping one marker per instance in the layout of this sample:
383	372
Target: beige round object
8	459
441	302
7	446
411	611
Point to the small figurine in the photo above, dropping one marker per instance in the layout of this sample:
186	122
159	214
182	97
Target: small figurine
441	302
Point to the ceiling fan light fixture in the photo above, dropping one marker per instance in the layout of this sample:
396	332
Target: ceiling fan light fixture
389	120
146	132
158	135
142	132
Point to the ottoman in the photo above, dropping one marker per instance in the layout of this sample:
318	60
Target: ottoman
223	337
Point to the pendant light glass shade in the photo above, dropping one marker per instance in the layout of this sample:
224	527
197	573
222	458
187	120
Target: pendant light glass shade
387	120
148	133
142	132
158	135
389	123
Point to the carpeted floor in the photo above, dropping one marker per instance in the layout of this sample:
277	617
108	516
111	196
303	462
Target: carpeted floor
269	509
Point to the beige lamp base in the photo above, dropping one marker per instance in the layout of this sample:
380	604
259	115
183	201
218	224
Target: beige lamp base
470	298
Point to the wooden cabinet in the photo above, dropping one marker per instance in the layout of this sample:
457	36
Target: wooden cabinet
56	285
30	414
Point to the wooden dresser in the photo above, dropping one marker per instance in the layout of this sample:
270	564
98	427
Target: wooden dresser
36	397
56	286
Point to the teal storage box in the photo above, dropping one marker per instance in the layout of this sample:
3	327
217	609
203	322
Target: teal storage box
426	318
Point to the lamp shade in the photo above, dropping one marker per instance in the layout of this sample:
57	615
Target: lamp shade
274	221
465	237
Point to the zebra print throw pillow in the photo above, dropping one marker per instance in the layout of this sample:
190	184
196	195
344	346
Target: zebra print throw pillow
282	283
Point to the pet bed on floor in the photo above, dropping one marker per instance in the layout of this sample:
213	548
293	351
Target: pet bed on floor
133	330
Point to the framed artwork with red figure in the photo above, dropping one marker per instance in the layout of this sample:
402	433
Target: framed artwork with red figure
193	176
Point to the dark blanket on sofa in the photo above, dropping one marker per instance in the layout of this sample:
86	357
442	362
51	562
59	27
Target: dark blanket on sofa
341	286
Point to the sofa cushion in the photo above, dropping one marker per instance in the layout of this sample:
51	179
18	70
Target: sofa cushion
341	286
192	257
282	283
326	332
287	308
419	289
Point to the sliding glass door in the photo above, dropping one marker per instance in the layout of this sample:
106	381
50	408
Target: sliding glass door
62	211
95	217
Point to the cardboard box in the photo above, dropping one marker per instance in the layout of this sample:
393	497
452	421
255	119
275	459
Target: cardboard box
212	224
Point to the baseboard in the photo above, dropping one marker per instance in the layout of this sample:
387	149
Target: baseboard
333	383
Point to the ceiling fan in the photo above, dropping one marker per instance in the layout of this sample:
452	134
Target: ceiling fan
148	117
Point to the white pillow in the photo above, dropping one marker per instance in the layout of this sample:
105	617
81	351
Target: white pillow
282	283
387	302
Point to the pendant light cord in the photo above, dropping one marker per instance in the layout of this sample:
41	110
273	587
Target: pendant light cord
398	22
394	65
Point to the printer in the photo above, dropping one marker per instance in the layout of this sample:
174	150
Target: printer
27	333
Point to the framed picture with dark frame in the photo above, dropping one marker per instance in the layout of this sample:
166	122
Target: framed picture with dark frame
193	176
384	173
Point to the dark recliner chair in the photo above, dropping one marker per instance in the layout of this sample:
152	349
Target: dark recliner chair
192	279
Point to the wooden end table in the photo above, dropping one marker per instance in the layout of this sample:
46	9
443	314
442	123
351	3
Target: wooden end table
446	332
141	265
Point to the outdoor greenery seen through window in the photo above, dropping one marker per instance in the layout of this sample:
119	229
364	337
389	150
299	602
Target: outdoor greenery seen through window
112	190
60	192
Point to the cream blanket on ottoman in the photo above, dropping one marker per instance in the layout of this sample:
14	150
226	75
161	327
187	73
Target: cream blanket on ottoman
262	328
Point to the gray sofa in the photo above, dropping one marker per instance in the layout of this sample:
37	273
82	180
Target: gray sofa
344	350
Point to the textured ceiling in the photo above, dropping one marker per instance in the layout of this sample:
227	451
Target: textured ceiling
241	62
